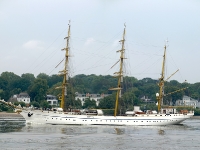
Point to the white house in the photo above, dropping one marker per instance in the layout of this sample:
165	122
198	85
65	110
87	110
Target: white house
23	97
188	101
51	99
95	97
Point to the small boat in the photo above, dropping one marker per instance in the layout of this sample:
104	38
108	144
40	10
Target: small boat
164	116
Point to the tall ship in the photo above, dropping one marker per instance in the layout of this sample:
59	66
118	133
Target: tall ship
164	116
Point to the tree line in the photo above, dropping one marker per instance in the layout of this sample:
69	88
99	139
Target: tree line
133	89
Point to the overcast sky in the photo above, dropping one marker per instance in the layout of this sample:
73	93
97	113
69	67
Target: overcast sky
32	35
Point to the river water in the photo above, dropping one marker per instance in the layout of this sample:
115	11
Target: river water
68	137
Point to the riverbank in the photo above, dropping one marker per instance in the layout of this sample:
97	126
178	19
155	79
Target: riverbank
6	114
195	117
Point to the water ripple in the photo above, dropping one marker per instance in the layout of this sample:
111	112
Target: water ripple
54	137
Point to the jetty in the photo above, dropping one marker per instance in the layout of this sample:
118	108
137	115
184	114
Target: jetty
11	118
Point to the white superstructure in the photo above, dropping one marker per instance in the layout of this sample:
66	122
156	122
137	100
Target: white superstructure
61	118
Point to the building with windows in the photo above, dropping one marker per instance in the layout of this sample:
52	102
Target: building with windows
188	101
51	99
146	99
96	97
22	97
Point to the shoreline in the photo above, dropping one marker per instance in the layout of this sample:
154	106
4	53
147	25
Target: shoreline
15	115
195	117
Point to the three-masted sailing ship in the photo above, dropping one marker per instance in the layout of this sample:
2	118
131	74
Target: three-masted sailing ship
163	117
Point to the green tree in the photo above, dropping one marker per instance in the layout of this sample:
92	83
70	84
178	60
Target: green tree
150	106
1	93
108	102
44	104
35	104
44	77
38	90
197	112
9	82
20	103
26	81
78	104
128	99
70	98
89	103
54	79
5	108
52	90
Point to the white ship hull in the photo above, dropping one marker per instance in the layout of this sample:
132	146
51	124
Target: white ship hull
55	118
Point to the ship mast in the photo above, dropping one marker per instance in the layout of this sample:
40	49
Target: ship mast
119	74
160	95
64	72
